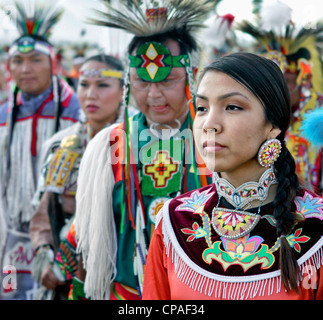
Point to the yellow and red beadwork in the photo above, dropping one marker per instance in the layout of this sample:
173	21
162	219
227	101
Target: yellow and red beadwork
269	152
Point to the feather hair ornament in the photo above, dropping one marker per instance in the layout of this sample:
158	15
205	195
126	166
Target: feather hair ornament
217	31
153	17
312	127
275	17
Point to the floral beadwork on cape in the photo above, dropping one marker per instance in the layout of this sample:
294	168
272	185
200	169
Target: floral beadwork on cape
195	233
295	239
309	206
246	267
195	204
243	251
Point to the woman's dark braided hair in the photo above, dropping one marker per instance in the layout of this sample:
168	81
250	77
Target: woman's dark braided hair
265	80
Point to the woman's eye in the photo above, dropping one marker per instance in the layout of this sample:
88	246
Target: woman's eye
83	84
201	109
103	85
233	107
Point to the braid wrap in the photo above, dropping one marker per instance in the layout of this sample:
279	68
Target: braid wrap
285	219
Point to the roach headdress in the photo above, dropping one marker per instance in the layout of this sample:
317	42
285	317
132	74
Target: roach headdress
34	24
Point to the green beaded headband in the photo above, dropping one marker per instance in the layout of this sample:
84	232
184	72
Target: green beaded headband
154	61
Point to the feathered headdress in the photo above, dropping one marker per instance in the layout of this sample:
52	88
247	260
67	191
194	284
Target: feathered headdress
177	19
149	18
296	49
217	32
145	18
34	24
38	21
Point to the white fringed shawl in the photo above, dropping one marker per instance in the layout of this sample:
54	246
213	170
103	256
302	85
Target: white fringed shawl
95	229
24	169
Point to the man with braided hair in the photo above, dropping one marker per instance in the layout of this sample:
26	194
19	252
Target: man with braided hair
129	171
40	105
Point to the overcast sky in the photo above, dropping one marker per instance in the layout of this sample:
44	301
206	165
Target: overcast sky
73	20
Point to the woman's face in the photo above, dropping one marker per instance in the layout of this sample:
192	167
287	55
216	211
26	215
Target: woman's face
100	97
230	126
160	105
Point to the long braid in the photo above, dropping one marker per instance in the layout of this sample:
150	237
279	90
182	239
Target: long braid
285	219
57	91
265	80
11	124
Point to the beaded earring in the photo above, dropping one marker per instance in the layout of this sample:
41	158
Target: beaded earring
269	152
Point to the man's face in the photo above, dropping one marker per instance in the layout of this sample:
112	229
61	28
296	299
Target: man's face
157	103
31	71
294	89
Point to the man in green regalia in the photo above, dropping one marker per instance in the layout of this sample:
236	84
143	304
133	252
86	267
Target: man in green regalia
130	170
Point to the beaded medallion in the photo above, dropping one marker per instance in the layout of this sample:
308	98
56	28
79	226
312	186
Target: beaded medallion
233	224
269	152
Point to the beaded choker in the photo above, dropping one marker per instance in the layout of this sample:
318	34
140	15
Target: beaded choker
234	223
247	192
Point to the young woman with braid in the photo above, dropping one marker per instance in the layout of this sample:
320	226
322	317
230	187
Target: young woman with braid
255	233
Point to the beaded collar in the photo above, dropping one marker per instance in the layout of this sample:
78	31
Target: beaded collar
247	192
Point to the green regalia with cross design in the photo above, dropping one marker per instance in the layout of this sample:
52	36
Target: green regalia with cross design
161	167
162	171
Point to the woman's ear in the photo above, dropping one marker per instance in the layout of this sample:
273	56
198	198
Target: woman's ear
274	132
